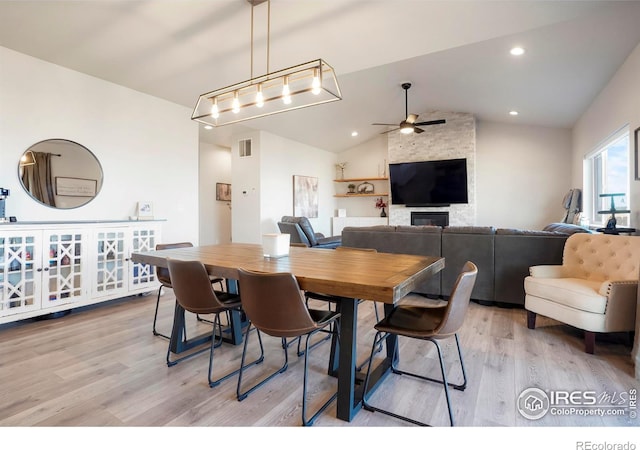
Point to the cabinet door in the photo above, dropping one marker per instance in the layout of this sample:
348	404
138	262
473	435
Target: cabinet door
110	278
63	274
143	239
20	282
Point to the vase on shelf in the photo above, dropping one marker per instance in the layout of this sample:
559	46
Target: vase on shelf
383	213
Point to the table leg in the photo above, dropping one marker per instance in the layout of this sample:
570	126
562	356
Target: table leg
343	362
347	406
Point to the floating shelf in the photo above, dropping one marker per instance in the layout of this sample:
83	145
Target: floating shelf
345	180
380	194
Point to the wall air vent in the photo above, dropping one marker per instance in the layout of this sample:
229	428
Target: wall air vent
244	148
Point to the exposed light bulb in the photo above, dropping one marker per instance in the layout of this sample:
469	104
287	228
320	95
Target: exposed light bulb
235	105
315	84
286	92
259	97
215	113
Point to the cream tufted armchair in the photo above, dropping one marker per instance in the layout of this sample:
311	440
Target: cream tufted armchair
595	288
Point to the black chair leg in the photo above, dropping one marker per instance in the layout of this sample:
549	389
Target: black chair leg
380	336
308	422
242	395
155	316
214	383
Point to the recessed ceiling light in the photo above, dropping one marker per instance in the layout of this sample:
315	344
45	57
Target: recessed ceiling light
354	133
517	51
513	113
208	127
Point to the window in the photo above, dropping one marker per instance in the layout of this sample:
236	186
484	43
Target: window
607	172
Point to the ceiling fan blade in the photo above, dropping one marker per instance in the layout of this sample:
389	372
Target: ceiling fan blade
418	130
431	122
411	118
389	131
387	124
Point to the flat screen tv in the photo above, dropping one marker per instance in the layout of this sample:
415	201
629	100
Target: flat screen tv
429	183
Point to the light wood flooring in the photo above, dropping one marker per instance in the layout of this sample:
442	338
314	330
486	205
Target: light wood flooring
102	366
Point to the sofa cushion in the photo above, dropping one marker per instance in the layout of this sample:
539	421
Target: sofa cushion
518	232
469	230
566	228
572	292
419	228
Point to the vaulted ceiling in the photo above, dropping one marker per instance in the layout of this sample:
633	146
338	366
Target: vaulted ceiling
455	53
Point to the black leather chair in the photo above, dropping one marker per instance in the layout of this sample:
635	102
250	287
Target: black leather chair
426	323
301	231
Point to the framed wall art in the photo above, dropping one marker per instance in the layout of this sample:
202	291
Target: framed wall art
223	192
76	187
305	196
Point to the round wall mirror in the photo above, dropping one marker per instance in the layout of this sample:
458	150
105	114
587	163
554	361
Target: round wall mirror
60	173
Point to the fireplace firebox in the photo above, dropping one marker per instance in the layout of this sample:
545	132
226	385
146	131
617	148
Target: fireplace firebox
440	219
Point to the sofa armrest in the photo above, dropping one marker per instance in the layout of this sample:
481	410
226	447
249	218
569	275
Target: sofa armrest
621	288
547	271
319	235
620	313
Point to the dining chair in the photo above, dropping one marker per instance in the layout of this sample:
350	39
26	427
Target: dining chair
162	275
195	293
275	305
429	323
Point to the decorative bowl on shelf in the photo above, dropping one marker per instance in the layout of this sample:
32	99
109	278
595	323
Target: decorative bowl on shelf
365	188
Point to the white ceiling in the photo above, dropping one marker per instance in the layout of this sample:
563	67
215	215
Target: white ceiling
454	52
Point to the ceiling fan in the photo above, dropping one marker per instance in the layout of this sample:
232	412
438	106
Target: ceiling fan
409	125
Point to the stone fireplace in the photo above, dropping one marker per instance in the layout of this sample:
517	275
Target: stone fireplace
454	139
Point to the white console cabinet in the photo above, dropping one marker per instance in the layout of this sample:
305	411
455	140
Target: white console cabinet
52	267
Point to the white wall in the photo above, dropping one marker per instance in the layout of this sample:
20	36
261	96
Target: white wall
262	185
617	105
148	147
522	174
215	215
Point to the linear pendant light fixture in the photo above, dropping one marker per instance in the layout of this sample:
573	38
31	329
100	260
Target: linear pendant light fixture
308	84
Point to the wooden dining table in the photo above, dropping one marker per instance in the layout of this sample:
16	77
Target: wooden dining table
380	277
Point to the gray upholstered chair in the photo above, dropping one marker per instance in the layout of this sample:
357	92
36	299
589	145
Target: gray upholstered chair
301	231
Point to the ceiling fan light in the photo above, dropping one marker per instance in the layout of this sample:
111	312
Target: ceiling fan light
406	128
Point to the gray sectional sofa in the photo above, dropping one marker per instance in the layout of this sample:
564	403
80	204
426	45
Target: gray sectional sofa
503	256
